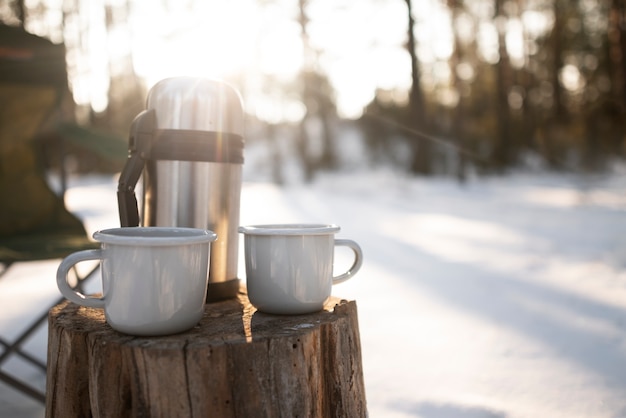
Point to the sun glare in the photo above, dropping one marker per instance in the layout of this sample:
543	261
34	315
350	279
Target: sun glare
247	40
210	40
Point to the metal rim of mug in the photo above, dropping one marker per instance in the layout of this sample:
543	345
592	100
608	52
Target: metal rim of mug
154	235
290	229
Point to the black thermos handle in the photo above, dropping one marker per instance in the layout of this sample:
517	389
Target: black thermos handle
140	140
146	142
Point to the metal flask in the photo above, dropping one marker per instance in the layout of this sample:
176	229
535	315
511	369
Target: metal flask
188	146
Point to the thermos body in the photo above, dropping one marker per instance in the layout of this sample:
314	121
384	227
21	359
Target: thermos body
188	147
212	203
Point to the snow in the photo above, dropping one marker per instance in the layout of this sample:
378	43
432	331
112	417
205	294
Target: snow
501	297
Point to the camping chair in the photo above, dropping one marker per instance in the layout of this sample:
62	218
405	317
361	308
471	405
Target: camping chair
34	223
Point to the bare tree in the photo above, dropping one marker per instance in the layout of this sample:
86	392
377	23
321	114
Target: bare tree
616	35
19	8
320	109
421	146
502	151
459	115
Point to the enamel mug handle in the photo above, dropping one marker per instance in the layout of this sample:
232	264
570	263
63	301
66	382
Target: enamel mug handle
64	268
358	259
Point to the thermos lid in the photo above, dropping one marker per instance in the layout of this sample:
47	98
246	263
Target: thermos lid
199	104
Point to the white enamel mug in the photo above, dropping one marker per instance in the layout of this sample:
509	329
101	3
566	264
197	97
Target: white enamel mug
289	267
154	279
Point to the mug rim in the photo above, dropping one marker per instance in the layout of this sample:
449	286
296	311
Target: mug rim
154	235
290	229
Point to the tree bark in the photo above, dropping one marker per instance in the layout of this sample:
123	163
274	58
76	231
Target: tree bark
236	363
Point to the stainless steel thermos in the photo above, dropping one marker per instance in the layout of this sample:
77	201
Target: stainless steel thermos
188	146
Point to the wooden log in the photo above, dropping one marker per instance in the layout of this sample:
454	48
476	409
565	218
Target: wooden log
236	363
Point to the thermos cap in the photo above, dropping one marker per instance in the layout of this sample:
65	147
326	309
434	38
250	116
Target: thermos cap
199	104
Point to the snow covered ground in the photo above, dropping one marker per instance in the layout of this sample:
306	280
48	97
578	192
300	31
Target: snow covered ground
503	297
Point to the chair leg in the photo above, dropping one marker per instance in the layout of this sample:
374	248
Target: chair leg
22	387
16	346
16	349
4	267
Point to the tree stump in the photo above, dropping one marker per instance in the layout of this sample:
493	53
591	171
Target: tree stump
236	363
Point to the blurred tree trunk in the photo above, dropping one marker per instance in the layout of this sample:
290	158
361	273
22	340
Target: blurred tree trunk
327	114
458	133
319	108
303	149
605	122
126	92
303	143
616	35
276	157
421	146
526	81
502	157
618	22
551	125
557	55
19	8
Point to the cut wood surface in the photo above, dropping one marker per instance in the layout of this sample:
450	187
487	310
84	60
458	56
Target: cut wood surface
236	363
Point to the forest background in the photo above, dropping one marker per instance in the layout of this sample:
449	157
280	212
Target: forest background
431	87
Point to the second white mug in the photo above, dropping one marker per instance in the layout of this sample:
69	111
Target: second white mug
289	267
